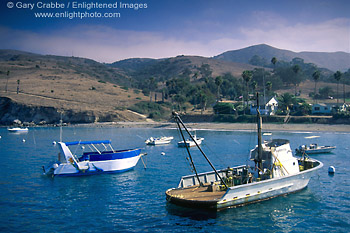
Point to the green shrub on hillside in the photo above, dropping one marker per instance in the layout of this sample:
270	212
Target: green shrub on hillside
224	108
152	110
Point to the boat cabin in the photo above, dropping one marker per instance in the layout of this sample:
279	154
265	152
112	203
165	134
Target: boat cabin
277	159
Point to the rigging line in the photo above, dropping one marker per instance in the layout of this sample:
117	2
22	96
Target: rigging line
188	151
200	149
215	154
185	155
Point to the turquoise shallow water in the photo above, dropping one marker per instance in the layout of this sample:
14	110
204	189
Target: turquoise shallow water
134	201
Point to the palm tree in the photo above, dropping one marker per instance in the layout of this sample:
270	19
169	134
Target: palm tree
268	86
218	82
18	81
316	76
254	85
7	80
152	87
247	76
344	88
296	69
287	101
337	76
274	61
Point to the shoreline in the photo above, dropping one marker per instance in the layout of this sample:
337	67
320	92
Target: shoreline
267	127
238	126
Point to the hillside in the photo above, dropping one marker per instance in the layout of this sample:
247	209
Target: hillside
64	84
89	91
164	69
332	61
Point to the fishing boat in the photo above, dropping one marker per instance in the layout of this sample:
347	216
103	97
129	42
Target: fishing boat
99	158
314	149
272	171
17	130
192	141
158	141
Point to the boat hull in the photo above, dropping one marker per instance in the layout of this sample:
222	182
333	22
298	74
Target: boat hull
158	142
320	151
243	194
122	162
18	130
264	190
189	143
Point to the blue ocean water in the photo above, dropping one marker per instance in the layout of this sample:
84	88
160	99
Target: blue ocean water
134	201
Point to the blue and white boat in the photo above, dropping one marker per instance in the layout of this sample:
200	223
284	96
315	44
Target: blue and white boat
100	158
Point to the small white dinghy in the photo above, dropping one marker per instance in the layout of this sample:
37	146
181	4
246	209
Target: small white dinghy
191	142
158	141
314	149
17	130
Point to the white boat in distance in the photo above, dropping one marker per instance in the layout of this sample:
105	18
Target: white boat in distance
17	130
190	142
94	161
158	141
314	149
273	171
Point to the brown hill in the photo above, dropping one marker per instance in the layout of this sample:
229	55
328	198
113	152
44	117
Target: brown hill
66	83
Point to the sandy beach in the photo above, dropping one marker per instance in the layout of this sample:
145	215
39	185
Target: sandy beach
241	126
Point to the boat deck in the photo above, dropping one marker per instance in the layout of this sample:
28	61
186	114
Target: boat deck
195	193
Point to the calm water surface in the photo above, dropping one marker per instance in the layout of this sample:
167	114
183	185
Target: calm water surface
134	201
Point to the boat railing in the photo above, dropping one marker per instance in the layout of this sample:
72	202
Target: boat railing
209	177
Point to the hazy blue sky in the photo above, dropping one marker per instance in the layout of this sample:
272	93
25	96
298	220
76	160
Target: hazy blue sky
174	27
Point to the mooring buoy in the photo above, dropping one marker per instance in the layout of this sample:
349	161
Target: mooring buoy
331	170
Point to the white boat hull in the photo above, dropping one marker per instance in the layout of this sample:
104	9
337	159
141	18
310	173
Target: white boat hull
242	194
159	141
18	130
258	191
189	143
93	167
320	150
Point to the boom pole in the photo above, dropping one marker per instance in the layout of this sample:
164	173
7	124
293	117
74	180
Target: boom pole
259	122
200	149
188	151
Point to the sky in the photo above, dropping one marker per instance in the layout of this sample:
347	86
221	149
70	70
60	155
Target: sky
168	28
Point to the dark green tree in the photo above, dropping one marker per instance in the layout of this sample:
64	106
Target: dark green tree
152	86
316	77
7	80
268	87
247	76
296	69
286	101
337	76
18	81
274	61
325	92
218	82
205	70
180	100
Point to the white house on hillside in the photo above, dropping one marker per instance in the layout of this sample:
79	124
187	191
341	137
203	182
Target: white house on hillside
266	109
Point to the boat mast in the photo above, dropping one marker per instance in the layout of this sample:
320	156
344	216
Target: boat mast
178	120
259	122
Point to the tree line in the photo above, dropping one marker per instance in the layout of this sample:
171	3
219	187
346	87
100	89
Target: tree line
200	89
